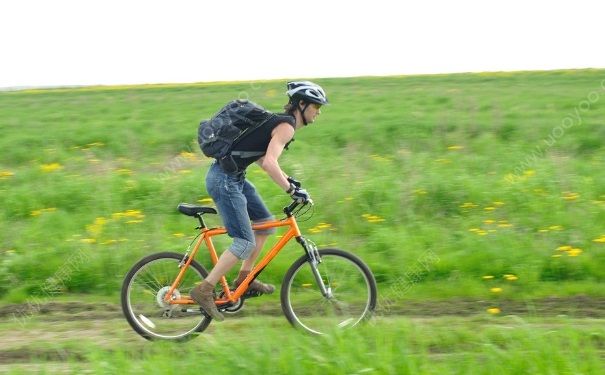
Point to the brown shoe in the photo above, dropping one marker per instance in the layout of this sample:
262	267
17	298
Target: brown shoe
203	294
255	287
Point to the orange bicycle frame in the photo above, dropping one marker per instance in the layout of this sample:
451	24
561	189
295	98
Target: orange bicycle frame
206	237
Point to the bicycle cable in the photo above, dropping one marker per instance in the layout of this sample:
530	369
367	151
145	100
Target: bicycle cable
301	215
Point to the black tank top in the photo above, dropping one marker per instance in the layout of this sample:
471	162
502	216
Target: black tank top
259	139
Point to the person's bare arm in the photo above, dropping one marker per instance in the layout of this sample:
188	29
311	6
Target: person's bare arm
282	134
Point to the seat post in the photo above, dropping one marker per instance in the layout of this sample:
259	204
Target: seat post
201	219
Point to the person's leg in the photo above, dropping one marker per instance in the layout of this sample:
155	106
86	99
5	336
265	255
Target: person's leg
226	191
225	262
259	239
258	212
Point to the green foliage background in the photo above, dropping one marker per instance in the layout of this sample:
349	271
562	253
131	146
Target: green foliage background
494	174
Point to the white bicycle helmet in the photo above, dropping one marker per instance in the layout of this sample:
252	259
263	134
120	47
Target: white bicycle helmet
306	91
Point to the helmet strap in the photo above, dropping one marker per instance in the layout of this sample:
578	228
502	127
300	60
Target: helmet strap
302	112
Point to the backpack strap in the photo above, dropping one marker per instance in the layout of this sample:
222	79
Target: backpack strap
247	132
247	154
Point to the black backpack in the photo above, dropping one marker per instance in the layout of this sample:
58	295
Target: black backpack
218	136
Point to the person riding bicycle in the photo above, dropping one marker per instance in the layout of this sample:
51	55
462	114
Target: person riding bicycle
238	202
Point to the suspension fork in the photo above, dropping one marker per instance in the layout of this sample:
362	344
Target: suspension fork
314	259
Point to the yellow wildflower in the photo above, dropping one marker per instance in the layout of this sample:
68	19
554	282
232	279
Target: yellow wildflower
488	277
372	218
569	196
321	226
455	148
574	252
511	277
135	214
496	290
97	226
504	224
88	240
493	310
529	173
47	168
188	155
600	239
179	235
564	248
379	158
42	210
6	174
96	144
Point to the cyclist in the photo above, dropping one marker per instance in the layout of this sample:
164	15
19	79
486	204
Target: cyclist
237	200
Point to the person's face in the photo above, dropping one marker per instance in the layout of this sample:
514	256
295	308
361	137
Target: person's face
312	111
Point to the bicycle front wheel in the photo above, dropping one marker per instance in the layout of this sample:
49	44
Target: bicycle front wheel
143	292
350	298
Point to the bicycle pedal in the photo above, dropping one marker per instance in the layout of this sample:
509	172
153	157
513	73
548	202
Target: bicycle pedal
252	294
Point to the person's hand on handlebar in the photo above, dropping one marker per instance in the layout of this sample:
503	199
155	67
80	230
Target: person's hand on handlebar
294	181
299	195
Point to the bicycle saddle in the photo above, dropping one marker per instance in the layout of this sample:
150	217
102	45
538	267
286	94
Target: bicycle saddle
193	210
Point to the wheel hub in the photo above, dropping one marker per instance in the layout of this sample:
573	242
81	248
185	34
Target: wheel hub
162	294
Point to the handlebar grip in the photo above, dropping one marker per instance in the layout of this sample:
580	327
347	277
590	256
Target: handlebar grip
288	210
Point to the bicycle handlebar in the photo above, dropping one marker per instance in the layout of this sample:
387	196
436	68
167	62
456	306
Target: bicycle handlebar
290	209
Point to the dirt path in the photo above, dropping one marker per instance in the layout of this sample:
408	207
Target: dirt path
49	332
578	306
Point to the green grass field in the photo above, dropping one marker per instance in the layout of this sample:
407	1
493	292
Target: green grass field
466	187
479	345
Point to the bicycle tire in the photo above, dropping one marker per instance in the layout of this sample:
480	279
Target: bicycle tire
150	305
350	280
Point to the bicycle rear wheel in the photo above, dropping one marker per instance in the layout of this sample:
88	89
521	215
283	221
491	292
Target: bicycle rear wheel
143	292
351	292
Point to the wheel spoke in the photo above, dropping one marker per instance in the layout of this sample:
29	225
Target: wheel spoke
143	296
351	297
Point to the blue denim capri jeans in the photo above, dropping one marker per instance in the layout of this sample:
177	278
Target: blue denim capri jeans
238	203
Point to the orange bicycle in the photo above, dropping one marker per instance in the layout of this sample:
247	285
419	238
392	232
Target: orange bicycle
323	290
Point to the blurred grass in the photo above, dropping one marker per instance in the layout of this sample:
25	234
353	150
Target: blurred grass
388	346
494	174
